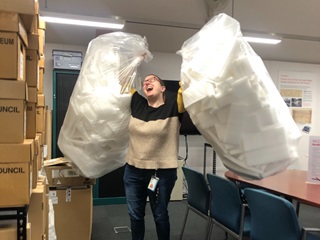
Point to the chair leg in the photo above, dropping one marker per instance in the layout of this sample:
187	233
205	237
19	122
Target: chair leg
184	222
298	208
226	234
209	229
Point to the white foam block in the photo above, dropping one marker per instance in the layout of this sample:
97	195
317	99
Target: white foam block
251	125
267	116
206	119
235	122
267	155
241	67
192	95
209	104
223	114
242	87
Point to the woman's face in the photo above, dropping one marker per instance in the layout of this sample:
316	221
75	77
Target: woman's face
152	87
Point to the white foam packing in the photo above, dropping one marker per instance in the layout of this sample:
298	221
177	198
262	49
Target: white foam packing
94	136
242	114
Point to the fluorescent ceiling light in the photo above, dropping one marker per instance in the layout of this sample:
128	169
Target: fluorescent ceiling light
262	40
82	20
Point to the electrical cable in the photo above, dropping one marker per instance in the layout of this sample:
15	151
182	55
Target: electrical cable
187	150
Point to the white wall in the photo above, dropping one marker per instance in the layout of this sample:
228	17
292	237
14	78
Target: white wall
168	66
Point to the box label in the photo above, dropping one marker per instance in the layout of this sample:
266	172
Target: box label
9	109
11	170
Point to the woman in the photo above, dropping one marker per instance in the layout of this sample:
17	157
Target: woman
152	159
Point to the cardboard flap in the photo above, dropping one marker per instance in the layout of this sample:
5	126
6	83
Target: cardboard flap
56	162
60	173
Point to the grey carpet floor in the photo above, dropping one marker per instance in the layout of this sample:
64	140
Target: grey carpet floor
108	217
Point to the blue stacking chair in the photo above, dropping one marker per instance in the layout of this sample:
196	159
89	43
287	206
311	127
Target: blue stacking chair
198	197
274	217
227	209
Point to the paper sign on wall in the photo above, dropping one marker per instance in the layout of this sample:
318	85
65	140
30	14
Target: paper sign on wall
314	160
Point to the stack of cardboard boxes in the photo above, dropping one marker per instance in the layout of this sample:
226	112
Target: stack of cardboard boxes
25	138
71	195
22	117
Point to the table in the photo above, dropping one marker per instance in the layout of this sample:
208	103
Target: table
289	183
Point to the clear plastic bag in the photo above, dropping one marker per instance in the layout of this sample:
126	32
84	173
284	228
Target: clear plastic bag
94	135
234	103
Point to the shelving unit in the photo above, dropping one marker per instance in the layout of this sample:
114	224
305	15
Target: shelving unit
19	214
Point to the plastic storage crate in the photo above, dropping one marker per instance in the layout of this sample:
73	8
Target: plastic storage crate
70	60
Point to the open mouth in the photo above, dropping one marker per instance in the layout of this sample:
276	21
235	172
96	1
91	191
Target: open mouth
149	88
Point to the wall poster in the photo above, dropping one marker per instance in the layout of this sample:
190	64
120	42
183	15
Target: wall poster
314	160
296	90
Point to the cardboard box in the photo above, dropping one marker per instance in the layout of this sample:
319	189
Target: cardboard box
41	138
35	24
42	23
32	95
46	211
32	68
26	9
26	6
42	40
48	140
42	61
37	211
33	39
42	183
41	113
11	22
31	113
44	137
40	119
61	174
42	180
15	173
72	210
41	100
13	89
12	121
40	158
37	144
13	55
41	79
30	21
31	116
15	187
17	152
39	151
8	231
35	172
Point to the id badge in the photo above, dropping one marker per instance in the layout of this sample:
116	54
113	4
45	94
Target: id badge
153	183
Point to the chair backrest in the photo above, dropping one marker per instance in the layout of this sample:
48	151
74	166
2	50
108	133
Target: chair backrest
198	190
226	204
272	217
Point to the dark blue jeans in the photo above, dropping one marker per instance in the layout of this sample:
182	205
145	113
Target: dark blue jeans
136	187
